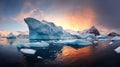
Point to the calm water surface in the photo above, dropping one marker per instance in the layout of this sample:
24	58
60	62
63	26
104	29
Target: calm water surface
100	55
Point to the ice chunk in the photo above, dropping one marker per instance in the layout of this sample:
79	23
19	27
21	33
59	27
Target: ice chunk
103	36
117	50
39	57
87	35
74	42
111	43
95	42
36	44
115	38
28	51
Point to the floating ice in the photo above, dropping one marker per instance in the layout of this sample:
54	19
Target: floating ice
39	57
103	36
117	50
115	38
111	43
36	44
74	42
28	51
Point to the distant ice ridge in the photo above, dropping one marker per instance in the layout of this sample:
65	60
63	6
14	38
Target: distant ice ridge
36	44
117	50
74	42
116	38
27	51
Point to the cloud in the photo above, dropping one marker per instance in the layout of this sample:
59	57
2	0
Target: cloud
28	10
4	33
23	32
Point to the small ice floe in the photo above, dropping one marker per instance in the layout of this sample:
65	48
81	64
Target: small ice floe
28	51
36	44
116	38
39	57
111	43
117	50
74	42
95	42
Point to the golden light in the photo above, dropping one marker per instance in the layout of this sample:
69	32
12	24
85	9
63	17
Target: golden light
77	20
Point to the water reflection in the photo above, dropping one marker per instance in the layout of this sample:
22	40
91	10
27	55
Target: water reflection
4	41
67	55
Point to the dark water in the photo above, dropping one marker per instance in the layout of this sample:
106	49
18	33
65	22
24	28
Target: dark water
100	55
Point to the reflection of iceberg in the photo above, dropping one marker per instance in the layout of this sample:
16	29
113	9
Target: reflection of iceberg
45	30
37	44
74	42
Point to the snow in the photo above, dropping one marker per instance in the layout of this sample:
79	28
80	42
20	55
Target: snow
95	42
39	57
28	51
74	42
111	43
115	38
117	50
36	44
87	35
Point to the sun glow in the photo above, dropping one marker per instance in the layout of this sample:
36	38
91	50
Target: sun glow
78	20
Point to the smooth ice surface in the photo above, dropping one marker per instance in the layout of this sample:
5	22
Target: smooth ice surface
28	51
36	44
74	42
116	38
117	50
103	36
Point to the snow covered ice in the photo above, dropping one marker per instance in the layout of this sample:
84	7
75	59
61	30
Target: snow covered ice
28	51
36	44
74	42
115	38
117	50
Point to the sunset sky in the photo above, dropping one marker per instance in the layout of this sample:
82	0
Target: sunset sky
75	15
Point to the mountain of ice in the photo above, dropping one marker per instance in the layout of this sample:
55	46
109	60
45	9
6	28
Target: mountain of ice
45	30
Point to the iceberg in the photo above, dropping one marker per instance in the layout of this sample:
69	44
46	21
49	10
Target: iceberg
116	38
28	51
36	44
43	29
87	36
103	36
117	50
74	42
11	36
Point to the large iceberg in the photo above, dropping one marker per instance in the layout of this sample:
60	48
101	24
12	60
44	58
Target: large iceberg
46	30
43	29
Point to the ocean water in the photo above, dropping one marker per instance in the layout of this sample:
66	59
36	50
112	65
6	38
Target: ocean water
99	55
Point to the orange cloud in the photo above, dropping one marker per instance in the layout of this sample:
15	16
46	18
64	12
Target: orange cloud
79	19
4	33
